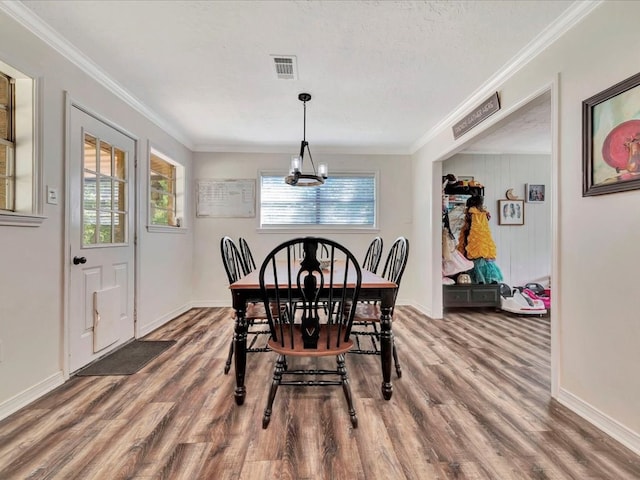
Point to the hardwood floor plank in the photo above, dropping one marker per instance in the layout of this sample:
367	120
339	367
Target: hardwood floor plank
375	446
473	404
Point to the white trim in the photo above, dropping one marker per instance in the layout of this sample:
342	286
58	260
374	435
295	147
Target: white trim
554	197
66	254
423	309
25	17
31	394
317	149
21	219
210	304
604	422
165	229
574	14
159	322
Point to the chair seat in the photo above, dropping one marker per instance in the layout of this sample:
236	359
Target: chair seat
256	311
367	312
320	351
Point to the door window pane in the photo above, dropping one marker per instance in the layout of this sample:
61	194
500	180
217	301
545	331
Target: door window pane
89	227
105	227
105	159
90	153
119	170
104	197
119	196
106	194
90	190
119	220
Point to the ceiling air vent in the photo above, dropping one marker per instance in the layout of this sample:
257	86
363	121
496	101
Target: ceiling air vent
286	68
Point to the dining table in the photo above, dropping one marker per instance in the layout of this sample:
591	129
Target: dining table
373	288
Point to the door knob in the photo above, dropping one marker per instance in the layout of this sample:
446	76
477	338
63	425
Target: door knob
79	260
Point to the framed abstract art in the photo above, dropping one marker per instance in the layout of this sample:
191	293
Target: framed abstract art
510	212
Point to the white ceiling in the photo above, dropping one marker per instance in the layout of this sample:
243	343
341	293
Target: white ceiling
382	74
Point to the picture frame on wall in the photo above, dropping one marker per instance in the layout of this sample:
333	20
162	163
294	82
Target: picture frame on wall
510	212
535	193
611	139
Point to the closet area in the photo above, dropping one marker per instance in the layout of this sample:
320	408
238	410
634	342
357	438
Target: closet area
460	288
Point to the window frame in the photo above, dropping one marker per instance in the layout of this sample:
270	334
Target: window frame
9	144
27	163
179	194
333	228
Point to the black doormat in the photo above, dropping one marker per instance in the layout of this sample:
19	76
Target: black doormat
128	359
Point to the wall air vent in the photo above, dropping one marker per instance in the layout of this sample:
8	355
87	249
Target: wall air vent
286	67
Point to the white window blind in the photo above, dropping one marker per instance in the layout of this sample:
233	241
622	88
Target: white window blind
342	200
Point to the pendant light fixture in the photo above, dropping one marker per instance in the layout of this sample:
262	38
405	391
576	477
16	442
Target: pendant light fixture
296	177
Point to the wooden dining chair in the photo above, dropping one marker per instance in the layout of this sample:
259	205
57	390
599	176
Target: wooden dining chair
373	255
297	251
367	316
247	257
302	288
256	316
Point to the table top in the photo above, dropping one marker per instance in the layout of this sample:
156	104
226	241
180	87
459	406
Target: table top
370	280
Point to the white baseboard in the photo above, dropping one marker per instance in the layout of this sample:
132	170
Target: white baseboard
209	304
608	425
31	394
421	308
150	327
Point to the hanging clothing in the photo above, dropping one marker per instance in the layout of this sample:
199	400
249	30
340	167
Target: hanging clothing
486	271
475	239
476	243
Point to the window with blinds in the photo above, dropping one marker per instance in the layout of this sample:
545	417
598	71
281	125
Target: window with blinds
344	200
162	187
21	196
7	146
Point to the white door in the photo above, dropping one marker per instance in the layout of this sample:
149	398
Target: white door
101	232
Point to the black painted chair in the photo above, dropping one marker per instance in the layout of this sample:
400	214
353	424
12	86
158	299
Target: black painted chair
256	315
297	251
367	316
373	255
307	329
247	257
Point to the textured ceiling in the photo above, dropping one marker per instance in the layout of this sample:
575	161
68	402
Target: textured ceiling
382	73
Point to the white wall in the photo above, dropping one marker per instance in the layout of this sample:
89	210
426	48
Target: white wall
210	285
595	327
524	252
31	285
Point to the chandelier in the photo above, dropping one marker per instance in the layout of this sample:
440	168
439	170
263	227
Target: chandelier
296	177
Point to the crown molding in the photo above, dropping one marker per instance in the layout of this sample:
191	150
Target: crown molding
573	15
25	17
292	149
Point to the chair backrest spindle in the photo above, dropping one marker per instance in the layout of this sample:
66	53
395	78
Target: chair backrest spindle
373	255
246	255
232	260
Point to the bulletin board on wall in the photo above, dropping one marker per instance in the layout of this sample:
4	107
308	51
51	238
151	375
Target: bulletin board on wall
226	198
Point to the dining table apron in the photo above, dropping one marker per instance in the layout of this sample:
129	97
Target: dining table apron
373	288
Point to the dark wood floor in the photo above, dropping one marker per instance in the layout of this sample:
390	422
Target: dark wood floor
473	403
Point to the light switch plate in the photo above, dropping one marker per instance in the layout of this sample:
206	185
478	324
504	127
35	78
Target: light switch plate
52	195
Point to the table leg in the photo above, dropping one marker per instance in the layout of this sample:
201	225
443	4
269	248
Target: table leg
240	355
386	348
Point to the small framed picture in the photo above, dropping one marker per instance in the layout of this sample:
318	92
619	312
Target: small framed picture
535	193
510	212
